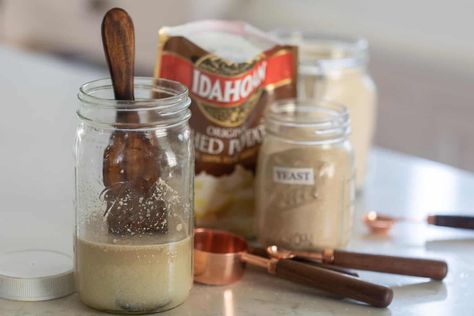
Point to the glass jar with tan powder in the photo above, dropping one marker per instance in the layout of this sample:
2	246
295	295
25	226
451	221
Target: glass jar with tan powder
305	176
334	68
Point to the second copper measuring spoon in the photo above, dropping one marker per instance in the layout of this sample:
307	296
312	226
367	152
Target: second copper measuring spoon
220	258
382	224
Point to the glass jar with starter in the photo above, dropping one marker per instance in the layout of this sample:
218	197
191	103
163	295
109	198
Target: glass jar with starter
305	176
134	197
335	68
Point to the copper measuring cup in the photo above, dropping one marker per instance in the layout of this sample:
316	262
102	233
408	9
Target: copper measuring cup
220	258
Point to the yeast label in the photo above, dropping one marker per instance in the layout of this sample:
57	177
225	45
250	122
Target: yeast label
302	176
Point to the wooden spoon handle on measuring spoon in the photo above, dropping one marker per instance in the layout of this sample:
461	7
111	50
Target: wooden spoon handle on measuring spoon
334	282
323	279
428	268
455	221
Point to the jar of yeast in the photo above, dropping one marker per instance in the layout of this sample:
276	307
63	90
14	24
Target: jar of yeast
305	176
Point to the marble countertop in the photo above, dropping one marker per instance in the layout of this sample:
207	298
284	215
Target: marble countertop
36	210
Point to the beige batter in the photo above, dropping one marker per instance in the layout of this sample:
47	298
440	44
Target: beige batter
134	276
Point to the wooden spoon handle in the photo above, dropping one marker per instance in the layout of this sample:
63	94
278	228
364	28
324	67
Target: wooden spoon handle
466	222
328	267
434	269
118	38
335	283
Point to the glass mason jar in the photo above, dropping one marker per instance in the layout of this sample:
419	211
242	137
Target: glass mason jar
134	197
334	68
305	176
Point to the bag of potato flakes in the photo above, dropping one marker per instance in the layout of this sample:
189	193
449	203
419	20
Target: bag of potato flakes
233	71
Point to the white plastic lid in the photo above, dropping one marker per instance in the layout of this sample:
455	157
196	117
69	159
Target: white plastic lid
35	275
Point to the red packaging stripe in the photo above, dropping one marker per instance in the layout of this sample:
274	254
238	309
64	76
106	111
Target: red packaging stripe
280	67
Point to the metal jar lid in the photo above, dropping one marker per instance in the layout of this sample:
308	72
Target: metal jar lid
35	275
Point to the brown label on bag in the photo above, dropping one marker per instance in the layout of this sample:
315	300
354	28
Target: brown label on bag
228	102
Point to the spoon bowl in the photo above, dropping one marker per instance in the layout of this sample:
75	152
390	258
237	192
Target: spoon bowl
280	253
379	224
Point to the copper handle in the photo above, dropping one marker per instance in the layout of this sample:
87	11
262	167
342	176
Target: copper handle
308	259
434	269
335	283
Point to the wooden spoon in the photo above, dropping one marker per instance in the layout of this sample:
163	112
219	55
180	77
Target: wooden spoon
130	168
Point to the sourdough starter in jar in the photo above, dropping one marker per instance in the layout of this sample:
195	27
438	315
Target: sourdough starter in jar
305	189
334	68
134	275
134	198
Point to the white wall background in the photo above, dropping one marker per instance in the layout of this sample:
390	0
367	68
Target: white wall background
422	52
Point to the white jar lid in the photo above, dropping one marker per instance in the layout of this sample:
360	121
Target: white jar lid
35	275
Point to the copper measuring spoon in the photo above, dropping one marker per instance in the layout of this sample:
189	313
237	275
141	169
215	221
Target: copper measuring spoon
428	268
381	224
261	251
220	258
